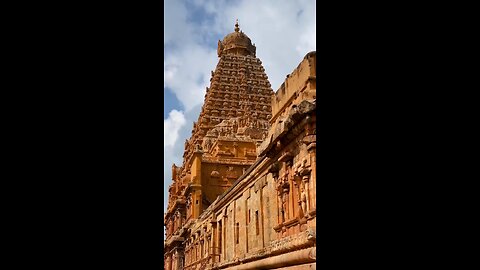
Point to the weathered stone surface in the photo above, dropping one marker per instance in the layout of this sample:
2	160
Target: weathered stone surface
244	197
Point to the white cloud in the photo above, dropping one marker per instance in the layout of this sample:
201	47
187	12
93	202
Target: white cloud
172	125
169	72
173	153
187	73
282	30
176	28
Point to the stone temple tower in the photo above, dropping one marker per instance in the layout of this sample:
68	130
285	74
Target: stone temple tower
233	122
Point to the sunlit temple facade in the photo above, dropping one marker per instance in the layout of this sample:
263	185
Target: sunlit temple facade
244	196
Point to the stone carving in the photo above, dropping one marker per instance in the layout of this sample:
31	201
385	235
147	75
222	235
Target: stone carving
303	200
231	173
234	119
215	174
207	144
219	48
293	242
283	189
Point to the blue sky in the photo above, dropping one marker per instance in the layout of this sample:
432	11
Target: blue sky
282	30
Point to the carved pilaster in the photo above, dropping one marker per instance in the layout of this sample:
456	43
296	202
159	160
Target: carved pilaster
310	134
188	206
305	198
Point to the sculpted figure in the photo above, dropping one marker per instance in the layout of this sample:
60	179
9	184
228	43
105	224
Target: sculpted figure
235	126
220	48
207	144
283	206
303	199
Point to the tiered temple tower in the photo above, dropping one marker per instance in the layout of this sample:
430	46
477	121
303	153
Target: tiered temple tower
233	122
267	218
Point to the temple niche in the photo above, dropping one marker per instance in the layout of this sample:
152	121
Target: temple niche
244	196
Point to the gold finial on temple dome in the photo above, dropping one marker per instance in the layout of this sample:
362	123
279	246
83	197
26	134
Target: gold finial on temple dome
236	26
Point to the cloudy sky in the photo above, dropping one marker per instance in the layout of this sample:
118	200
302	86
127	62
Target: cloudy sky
283	32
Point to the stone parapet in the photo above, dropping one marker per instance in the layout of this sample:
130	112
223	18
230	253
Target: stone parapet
302	79
294	120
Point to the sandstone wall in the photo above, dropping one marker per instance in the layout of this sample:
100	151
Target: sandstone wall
267	218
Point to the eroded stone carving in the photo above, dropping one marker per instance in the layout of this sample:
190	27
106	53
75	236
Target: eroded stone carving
236	117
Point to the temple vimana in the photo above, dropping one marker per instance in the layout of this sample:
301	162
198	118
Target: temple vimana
244	197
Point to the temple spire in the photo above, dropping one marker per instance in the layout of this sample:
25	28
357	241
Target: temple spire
236	26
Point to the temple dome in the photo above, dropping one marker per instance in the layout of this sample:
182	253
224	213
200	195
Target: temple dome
236	43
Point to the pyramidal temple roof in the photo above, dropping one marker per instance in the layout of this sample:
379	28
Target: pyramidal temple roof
236	43
237	103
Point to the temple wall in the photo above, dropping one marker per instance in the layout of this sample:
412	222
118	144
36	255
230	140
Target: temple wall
218	177
267	218
301	79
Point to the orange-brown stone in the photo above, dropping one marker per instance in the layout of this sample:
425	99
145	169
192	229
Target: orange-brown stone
244	196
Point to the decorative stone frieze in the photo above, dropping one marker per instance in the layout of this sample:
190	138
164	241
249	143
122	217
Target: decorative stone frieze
243	197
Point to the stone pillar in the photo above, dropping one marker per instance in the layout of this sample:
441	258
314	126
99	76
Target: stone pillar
297	188
174	261
212	240
262	228
189	254
234	229
181	261
305	197
168	262
224	238
188	207
313	175
291	192
177	260
197	253
286	198
208	249
246	196
186	255
196	179
310	141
